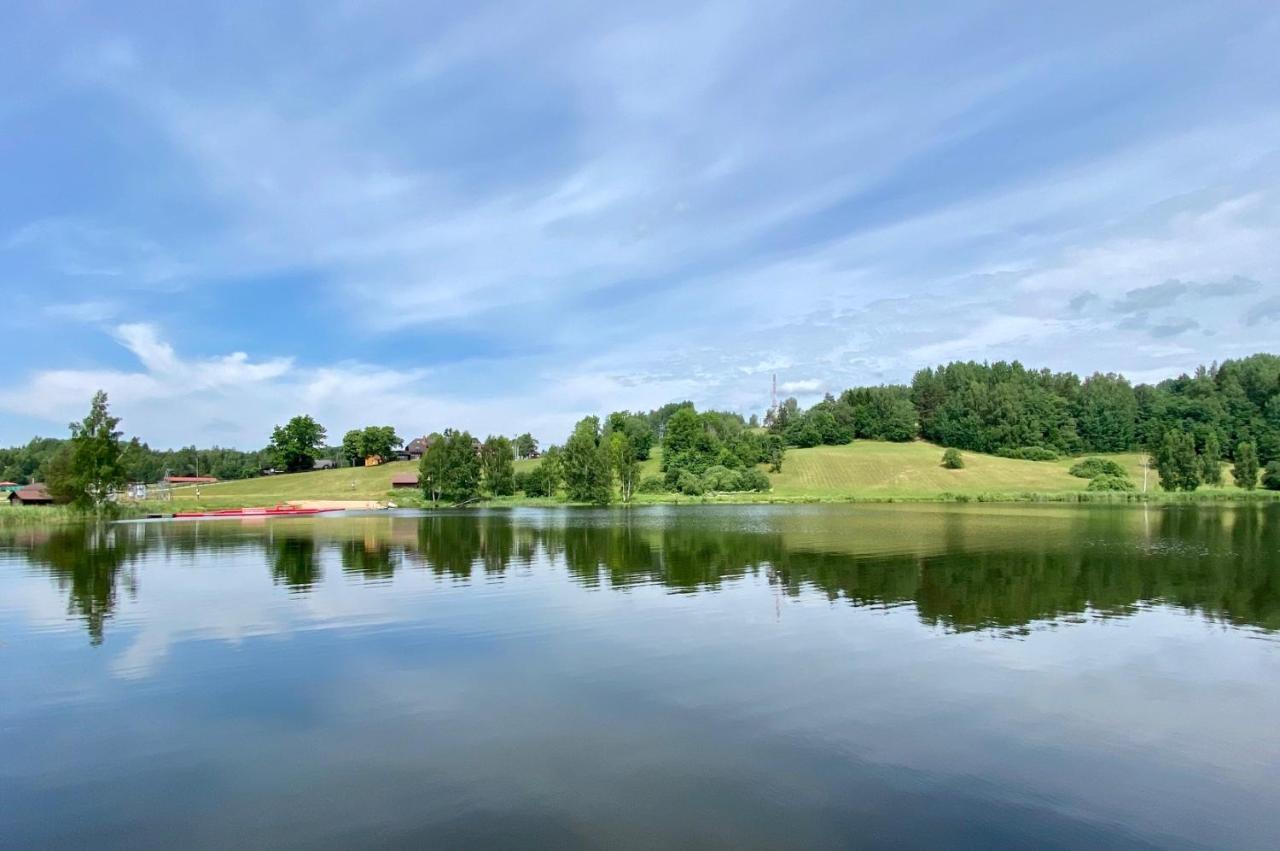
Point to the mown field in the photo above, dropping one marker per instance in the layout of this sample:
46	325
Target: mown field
873	469
867	470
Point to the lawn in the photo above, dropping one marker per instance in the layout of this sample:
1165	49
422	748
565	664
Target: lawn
354	483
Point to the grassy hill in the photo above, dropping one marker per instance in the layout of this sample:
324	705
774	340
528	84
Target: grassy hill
868	470
873	469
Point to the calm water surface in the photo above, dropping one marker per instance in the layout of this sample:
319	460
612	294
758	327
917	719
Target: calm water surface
738	677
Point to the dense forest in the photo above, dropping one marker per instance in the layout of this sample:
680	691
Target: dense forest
1007	409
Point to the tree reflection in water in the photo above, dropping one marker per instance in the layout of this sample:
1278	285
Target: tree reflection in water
960	570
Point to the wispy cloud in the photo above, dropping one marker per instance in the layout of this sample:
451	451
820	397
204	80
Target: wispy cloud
639	204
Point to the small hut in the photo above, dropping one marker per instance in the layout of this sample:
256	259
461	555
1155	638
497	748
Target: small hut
31	495
404	480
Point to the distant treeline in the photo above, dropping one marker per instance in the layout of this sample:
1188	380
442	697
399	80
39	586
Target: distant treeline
1005	408
25	464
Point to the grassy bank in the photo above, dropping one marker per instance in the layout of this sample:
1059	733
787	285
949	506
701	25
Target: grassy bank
864	471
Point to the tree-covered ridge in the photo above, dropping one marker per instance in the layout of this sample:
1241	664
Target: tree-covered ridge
1006	408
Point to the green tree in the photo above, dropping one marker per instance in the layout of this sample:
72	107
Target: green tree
1211	461
1177	463
1245	471
297	444
544	480
1271	476
775	452
90	468
636	428
952	459
586	464
353	447
626	464
526	445
450	470
380	441
497	461
1107	413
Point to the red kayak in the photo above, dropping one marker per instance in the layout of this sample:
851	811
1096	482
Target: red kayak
275	511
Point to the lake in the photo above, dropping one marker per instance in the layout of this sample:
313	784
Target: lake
736	676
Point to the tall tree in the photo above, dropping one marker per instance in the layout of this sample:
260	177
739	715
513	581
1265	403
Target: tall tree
1211	460
450	469
1245	471
353	447
636	428
1107	413
90	469
626	464
298	443
497	461
380	441
551	470
1177	463
586	465
776	451
526	445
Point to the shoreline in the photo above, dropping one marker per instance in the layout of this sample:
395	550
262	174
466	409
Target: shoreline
17	517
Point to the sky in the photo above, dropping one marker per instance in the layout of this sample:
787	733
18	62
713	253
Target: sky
505	217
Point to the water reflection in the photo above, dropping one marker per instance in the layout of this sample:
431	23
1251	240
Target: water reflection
962	569
294	562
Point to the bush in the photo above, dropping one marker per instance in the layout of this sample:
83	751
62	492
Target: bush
952	460
719	478
1271	476
1028	453
536	482
652	484
1091	468
521	481
689	483
754	480
1110	483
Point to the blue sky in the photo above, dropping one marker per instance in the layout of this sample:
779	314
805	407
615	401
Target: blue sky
504	217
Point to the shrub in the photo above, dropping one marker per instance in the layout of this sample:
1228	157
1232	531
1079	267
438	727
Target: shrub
652	484
1271	476
1028	453
537	482
952	459
1091	468
1110	483
521	481
754	480
720	478
687	482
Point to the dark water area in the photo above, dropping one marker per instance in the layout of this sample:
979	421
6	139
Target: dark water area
738	676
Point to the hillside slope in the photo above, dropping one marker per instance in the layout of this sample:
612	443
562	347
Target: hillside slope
864	469
874	469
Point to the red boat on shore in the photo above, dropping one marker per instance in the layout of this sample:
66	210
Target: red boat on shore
274	511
